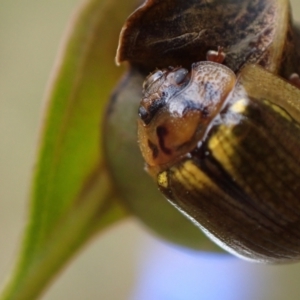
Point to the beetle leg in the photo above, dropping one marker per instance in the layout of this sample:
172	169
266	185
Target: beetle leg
216	56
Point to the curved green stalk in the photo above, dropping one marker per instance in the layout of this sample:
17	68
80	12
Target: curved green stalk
71	196
75	229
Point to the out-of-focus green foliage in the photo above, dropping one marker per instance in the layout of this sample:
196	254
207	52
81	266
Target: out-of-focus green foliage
71	195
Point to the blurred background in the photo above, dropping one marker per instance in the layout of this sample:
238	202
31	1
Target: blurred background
126	262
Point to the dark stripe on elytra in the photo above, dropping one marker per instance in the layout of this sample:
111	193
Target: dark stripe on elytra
261	202
283	145
225	181
265	123
263	205
267	134
251	168
195	196
250	217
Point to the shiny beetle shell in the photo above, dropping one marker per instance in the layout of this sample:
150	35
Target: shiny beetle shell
226	152
221	138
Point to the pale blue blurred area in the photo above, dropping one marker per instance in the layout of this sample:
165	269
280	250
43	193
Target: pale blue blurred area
168	272
125	263
173	274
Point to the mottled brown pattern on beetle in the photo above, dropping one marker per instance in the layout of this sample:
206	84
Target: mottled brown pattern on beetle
234	25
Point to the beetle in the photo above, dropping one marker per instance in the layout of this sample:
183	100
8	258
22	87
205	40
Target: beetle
226	152
221	138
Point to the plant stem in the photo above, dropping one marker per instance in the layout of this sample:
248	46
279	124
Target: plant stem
78	225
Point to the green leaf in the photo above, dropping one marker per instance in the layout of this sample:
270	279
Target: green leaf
71	195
